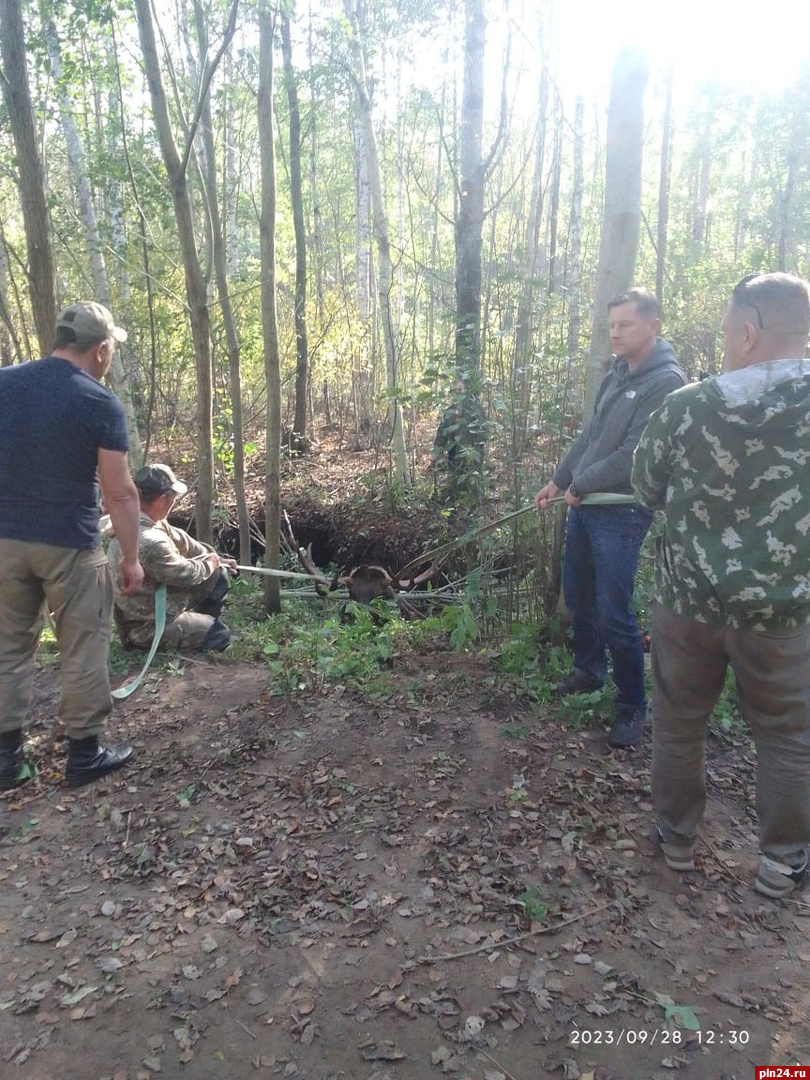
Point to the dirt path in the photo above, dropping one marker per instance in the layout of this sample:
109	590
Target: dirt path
284	888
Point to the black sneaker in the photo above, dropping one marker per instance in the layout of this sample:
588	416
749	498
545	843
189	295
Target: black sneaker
575	683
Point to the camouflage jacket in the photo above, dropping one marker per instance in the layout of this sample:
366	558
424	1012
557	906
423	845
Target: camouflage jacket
725	459
168	556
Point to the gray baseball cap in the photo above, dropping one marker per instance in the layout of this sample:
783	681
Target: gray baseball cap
153	480
90	322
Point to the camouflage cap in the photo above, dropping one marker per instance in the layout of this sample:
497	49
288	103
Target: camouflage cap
90	323
153	480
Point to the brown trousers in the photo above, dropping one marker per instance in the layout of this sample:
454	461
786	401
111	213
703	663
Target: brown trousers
689	661
77	588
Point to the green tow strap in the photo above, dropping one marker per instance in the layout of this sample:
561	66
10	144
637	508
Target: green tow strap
160	625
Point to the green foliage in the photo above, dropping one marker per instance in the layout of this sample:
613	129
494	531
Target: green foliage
460	622
534	909
305	651
528	665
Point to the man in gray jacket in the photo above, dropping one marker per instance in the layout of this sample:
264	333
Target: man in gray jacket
603	542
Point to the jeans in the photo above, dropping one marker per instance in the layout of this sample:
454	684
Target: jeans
601	556
772	671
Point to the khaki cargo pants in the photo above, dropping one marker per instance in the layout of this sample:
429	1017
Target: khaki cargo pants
77	588
772	671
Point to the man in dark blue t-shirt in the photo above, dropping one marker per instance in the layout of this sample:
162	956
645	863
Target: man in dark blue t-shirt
62	434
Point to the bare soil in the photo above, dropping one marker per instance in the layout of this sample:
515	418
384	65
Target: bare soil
323	887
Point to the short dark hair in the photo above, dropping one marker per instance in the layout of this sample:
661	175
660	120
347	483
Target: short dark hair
648	306
780	301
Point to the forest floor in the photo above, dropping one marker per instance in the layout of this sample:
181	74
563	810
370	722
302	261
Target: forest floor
434	877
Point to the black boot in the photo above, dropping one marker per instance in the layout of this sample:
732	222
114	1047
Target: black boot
88	760
11	759
218	638
212	604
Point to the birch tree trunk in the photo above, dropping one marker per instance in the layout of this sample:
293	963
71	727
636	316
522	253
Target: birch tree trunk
700	224
530	313
470	219
554	200
315	202
31	179
297	199
361	375
102	290
663	193
621	215
574	269
272	364
784	204
383	247
743	222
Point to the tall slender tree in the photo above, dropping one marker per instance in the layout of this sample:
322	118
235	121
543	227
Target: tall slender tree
196	287
31	177
267	239
663	191
385	277
470	219
297	199
621	214
220	256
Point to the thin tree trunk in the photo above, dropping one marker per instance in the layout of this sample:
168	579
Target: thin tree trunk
220	258
530	314
31	180
663	193
8	335
574	269
230	183
621	216
470	219
700	210
383	246
361	375
433	284
744	205
554	201
297	198
315	207
272	365
784	205
196	288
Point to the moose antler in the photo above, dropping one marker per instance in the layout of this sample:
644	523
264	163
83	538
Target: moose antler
364	583
304	556
420	579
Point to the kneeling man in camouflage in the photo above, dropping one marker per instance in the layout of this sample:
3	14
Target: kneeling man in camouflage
196	577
